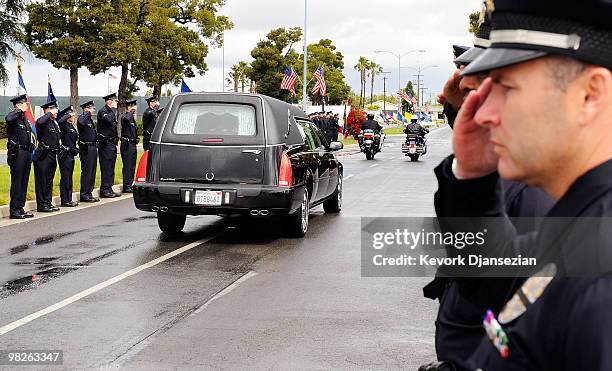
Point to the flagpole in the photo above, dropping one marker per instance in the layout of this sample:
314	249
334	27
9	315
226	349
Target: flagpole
304	93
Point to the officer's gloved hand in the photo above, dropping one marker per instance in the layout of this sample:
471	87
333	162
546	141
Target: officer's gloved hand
437	366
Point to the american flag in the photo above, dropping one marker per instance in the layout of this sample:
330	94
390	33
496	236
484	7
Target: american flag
289	79
320	87
405	97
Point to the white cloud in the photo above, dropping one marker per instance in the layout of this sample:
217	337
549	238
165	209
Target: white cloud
357	28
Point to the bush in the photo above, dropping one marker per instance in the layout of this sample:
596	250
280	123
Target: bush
2	130
373	107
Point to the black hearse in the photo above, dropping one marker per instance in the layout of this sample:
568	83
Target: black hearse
244	154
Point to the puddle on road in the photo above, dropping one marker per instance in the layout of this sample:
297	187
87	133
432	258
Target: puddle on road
40	241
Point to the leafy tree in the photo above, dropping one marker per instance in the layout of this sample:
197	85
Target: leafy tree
373	71
129	30
474	23
172	48
270	56
324	54
362	67
410	89
11	33
56	32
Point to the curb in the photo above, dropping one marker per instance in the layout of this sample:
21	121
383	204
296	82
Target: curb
31	205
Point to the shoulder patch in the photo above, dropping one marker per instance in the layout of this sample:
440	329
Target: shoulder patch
527	294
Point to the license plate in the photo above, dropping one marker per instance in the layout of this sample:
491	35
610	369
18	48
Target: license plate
208	198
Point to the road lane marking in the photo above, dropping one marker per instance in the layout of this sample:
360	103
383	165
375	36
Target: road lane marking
392	158
92	290
349	177
226	291
374	165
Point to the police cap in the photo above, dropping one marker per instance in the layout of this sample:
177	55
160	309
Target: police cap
87	104
19	99
112	96
525	29
131	102
152	98
51	104
66	111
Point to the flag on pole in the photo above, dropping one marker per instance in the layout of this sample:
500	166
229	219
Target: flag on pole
28	114
320	87
112	77
289	79
50	95
184	87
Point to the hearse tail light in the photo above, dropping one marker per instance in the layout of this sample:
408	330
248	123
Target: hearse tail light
141	172
285	174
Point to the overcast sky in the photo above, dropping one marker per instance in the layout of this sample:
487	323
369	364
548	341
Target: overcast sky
356	27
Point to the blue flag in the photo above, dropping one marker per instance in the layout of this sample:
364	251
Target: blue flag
184	87
50	95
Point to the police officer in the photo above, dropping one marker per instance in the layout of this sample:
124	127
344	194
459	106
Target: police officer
149	119
69	138
88	151
463	301
129	143
371	124
107	145
19	156
547	61
45	158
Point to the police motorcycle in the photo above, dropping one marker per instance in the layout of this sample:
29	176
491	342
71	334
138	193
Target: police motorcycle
370	141
416	144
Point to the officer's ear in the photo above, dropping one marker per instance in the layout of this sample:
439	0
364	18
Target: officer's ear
595	87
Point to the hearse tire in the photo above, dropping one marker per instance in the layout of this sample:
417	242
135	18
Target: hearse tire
296	224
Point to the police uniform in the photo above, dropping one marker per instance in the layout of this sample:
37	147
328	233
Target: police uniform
19	158
88	153
463	301
45	158
69	138
559	318
149	119
107	147
129	149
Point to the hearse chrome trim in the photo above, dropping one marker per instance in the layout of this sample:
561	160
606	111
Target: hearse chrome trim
219	146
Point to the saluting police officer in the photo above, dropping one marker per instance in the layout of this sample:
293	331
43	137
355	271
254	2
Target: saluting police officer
45	159
88	151
129	145
550	82
149	119
69	138
107	145
19	156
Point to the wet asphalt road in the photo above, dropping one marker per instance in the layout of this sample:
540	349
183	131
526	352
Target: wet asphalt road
276	303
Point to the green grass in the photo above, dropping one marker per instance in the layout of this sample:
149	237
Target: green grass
394	130
5	179
348	141
3	143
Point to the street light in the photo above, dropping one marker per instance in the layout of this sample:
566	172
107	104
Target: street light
419	70
399	67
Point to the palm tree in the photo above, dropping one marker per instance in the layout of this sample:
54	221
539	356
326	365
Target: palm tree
362	67
239	75
373	70
10	33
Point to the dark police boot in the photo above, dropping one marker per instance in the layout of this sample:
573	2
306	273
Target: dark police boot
28	214
128	190
45	209
70	204
108	195
17	215
90	199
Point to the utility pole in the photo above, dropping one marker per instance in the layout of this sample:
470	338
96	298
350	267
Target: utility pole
385	91
304	81
223	73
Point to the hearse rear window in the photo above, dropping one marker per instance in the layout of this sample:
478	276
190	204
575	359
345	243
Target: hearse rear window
215	119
